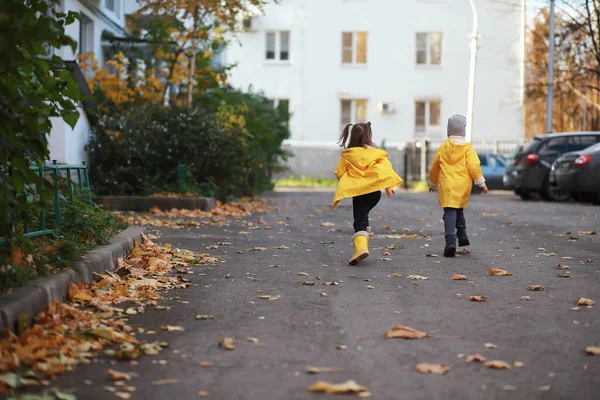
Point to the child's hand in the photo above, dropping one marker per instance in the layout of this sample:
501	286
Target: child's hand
393	191
484	189
432	190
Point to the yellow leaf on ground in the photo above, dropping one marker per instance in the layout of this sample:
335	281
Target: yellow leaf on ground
327	224
478	298
459	277
337	388
476	358
535	288
257	249
318	370
499	272
561	266
341	347
323	294
588	233
302	274
413	236
171	328
490	346
227	343
203	393
204	317
528	298
497	364
417	277
118	376
582	301
123	395
206	364
426	368
405	332
592	350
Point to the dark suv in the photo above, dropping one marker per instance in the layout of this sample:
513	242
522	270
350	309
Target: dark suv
533	164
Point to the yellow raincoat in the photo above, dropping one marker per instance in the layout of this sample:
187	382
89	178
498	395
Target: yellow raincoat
364	170
455	166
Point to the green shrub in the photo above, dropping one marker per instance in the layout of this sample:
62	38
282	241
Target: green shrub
139	153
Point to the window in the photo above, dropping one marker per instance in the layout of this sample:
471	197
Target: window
554	146
427	116
278	46
86	34
353	111
584	141
110	4
354	47
429	48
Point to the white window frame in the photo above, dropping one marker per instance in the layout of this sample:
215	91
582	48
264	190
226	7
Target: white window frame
428	129
277	58
116	7
353	116
86	35
428	49
354	54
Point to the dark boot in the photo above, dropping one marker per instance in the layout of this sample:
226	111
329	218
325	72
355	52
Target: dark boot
450	249
463	239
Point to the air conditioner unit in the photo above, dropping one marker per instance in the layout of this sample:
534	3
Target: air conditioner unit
387	108
251	24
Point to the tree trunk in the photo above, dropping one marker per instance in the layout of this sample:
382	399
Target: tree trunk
191	77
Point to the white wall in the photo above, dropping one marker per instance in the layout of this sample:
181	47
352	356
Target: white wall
315	80
67	145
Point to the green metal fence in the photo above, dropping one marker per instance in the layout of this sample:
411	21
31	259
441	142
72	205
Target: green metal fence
64	174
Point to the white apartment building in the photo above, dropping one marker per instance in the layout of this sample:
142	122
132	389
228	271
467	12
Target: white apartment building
100	19
401	64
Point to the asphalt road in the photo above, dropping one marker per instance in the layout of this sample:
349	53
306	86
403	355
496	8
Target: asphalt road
303	328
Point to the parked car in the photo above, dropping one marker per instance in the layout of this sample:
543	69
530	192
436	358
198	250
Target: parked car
578	173
533	164
509	172
492	167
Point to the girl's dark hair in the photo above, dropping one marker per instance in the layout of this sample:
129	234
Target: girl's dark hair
361	135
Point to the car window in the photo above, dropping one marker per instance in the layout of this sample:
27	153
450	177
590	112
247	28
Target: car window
530	148
513	154
593	148
582	142
554	146
499	160
483	159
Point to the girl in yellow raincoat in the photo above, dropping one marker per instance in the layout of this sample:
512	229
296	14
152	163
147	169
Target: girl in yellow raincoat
455	166
362	172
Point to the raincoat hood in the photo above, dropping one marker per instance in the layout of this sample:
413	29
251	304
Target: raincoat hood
454	152
364	170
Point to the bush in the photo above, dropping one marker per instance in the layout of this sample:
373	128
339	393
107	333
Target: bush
230	142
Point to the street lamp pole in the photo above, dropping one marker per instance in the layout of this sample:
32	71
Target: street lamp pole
550	95
470	103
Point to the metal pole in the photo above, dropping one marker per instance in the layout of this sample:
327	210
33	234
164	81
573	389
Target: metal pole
471	99
584	117
550	96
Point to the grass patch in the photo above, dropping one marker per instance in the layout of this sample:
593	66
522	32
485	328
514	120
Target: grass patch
305	182
420	186
83	227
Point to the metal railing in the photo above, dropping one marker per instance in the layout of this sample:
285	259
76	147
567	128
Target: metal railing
64	175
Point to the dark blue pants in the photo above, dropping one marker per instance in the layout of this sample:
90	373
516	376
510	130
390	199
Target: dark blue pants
361	206
454	222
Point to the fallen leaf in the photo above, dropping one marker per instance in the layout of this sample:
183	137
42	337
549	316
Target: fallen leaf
431	255
463	251
309	283
426	368
206	364
327	224
227	343
327	242
563	275
165	381
204	317
257	249
535	288
385	253
575	308
476	358
339	388
497	364
561	266
386	259
528	298
582	301
592	350
385	226
252	340
518	364
302	274
282	247
490	346
203	393
341	347
478	298
459	277
318	370
499	272
413	236
171	328
227	276
370	287
323	294
587	233
118	376
417	277
405	332
268	297
162	308
123	395
509	387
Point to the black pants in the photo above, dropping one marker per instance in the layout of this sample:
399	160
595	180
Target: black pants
361	206
454	222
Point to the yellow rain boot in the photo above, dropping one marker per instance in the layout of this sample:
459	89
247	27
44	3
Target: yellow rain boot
361	247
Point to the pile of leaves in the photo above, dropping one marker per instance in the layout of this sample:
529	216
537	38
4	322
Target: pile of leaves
179	218
65	335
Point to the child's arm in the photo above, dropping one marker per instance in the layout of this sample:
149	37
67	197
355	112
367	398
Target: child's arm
340	170
434	173
474	169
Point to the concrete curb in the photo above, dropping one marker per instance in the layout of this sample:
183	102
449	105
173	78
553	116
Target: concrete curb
29	300
143	203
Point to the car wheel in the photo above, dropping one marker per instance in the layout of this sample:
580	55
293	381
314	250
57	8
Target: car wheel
551	193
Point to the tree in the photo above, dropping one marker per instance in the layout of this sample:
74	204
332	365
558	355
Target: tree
34	87
206	16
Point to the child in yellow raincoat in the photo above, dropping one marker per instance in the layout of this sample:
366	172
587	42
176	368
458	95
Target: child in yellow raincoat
362	172
455	166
